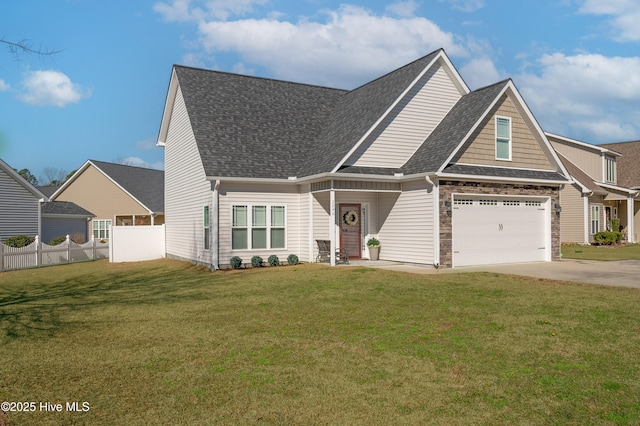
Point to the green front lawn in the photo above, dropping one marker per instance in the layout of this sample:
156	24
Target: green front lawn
575	251
168	343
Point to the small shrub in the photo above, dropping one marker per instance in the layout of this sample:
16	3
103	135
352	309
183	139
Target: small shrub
607	238
615	224
19	241
256	261
373	242
273	260
235	262
292	259
57	241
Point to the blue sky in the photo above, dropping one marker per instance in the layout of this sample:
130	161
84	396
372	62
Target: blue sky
576	62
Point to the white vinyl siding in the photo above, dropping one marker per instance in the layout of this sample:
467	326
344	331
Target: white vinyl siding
268	195
186	190
406	224
18	209
411	121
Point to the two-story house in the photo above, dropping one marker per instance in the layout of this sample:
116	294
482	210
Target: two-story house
595	197
440	174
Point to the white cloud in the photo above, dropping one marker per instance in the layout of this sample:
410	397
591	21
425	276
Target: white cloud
186	10
51	88
405	9
480	72
625	15
139	162
4	86
466	5
586	96
351	45
147	144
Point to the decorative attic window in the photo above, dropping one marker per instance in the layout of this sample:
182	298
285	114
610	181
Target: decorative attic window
610	169
503	138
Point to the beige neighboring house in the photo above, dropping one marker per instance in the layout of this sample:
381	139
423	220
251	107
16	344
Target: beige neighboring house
629	173
116	194
595	196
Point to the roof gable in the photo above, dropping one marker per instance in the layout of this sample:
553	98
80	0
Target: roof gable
20	181
142	185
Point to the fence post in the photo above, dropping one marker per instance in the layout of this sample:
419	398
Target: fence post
38	251
68	249
93	246
1	256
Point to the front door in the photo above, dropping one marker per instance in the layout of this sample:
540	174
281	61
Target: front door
350	236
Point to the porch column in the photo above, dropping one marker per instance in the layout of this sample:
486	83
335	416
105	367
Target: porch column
214	223
630	227
332	226
587	219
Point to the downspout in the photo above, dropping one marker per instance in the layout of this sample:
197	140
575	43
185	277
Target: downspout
587	222
434	184
40	203
215	227
333	227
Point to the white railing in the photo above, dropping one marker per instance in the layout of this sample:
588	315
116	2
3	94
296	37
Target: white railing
41	254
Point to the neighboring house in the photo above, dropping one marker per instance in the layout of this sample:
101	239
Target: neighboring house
116	194
629	173
62	218
595	196
20	205
441	175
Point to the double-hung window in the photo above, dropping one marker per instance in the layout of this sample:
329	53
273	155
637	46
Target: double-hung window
258	227
503	138
101	229
610	169
595	219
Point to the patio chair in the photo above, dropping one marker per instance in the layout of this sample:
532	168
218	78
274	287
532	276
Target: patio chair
324	252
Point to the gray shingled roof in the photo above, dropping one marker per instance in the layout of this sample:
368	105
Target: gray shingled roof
255	127
146	185
65	208
452	129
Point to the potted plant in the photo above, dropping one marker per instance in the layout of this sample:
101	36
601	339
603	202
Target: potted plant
374	248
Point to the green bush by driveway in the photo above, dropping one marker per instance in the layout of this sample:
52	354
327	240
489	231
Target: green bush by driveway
164	342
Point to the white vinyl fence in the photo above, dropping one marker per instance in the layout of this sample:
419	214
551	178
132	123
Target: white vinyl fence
136	243
41	254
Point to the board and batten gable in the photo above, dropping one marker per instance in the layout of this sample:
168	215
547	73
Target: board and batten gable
406	221
411	121
19	208
95	192
527	145
262	194
187	190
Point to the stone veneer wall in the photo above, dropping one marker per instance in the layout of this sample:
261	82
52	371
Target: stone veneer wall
447	188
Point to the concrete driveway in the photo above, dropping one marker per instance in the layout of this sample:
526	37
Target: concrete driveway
623	273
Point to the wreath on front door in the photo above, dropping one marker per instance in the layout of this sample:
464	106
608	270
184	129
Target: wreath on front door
350	218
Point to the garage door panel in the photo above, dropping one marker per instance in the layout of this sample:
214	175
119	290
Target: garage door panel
488	230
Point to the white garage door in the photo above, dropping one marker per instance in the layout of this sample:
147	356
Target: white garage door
496	230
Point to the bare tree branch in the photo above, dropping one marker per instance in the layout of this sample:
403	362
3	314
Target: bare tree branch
25	46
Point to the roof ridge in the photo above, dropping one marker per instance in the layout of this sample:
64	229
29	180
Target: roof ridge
395	70
124	165
256	77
